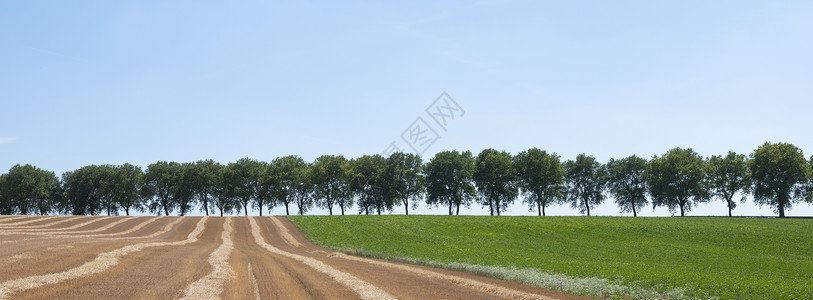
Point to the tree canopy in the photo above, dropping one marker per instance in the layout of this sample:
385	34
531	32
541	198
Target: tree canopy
626	181
331	175
27	189
677	180
404	179
449	180
586	179
780	173
288	172
541	177
728	176
776	174
241	181
496	180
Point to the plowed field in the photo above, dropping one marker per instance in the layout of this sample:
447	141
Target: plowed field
86	257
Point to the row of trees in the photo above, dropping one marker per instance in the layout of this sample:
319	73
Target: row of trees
777	175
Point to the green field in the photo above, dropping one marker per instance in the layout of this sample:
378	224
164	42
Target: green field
728	258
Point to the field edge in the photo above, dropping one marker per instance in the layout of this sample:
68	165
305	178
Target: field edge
593	287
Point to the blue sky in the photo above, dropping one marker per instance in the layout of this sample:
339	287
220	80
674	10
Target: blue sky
113	82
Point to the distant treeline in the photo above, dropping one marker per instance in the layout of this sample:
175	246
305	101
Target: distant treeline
776	174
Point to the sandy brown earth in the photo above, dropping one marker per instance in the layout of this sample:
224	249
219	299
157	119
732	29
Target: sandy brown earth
211	258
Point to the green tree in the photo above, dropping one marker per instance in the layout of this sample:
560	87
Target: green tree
287	175
242	182
6	208
184	189
496	180
367	181
128	193
219	197
449	179
358	183
302	188
28	189
106	180
268	187
404	179
82	191
809	189
677	180
779	172
626	181
331	176
586	180
161	179
541	177
727	176
207	178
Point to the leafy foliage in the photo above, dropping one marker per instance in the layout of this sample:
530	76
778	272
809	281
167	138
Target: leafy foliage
83	193
206	181
496	180
677	180
541	177
449	179
727	176
626	181
779	172
288	173
331	176
367	182
161	178
28	189
404	180
241	180
586	180
128	182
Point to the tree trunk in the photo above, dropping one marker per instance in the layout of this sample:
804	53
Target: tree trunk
166	210
634	213
206	206
379	210
286	209
491	207
261	208
406	207
221	212
127	211
682	213
781	209
458	209
451	205
539	208
587	205
245	208
543	210
342	208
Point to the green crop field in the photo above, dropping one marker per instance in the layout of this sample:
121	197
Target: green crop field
729	258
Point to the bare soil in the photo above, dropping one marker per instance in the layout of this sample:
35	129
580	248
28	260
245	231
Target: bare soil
244	258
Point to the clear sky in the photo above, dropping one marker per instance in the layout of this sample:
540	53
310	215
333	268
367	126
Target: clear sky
97	82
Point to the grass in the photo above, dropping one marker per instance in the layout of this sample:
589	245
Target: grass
729	258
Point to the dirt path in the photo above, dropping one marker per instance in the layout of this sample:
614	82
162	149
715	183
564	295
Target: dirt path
402	280
211	258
